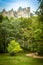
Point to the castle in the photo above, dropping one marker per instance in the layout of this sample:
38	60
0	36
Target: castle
21	12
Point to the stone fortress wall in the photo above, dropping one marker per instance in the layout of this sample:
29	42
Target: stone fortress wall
21	12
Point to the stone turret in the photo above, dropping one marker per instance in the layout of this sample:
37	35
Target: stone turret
4	12
11	13
24	12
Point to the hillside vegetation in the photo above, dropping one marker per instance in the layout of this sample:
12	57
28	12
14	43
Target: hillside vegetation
26	31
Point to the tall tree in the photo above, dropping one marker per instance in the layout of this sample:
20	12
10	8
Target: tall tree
41	6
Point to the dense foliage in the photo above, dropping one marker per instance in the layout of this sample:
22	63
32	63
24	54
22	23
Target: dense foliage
28	32
14	47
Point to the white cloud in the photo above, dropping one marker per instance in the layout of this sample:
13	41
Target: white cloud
16	5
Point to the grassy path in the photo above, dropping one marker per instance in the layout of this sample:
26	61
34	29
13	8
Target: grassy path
20	59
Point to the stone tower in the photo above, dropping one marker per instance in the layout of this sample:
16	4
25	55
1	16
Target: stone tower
24	12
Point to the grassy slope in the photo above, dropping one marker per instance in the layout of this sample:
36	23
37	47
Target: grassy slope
19	60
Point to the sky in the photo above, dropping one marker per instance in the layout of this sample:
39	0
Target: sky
15	4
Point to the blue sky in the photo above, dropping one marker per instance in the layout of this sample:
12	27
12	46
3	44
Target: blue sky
15	4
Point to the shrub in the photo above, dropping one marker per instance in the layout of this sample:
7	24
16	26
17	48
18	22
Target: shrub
40	49
14	47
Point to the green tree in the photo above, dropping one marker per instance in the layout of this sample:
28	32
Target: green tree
40	10
14	47
41	6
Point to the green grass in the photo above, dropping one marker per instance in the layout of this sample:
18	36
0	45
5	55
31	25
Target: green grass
20	59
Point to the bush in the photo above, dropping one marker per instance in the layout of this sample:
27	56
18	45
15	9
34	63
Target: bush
40	49
14	47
